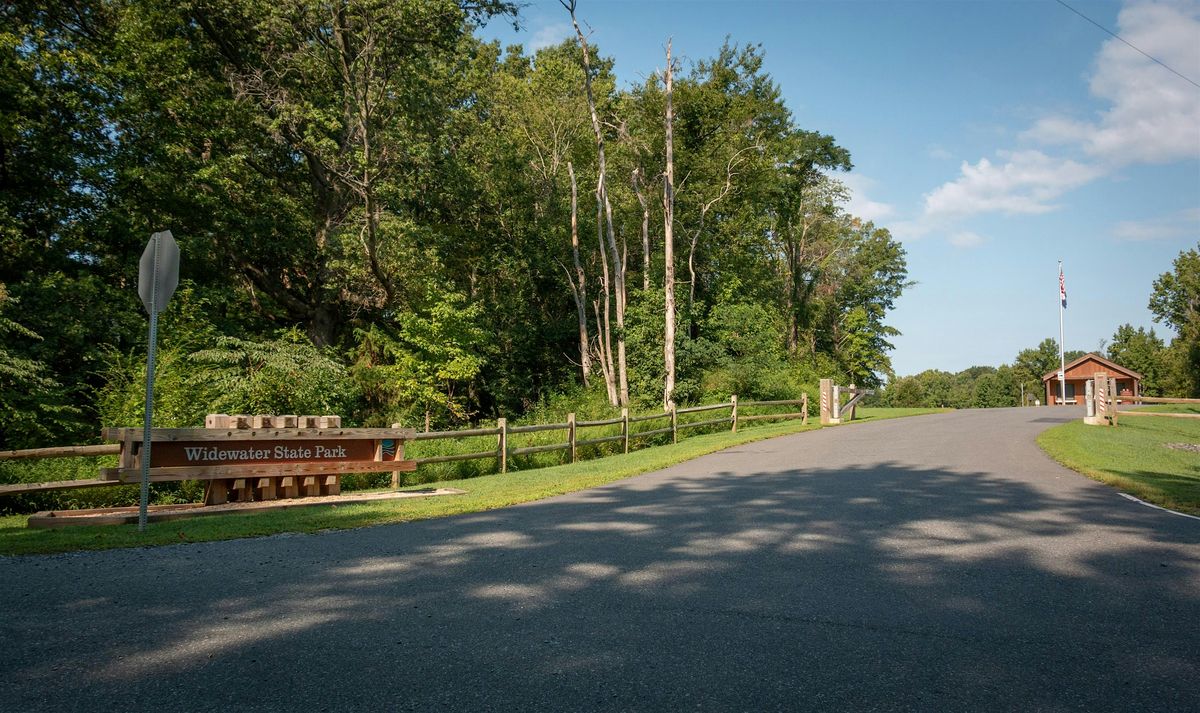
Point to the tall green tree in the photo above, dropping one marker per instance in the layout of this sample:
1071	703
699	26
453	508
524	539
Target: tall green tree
1175	301
1141	351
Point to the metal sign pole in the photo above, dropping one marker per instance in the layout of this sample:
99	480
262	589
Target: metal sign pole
144	501
158	276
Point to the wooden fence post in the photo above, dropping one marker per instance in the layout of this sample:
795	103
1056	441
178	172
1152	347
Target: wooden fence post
674	425
502	444
854	408
804	404
1112	394
571	436
826	396
733	416
625	427
379	455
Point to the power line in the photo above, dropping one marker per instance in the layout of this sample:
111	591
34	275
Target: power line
1153	59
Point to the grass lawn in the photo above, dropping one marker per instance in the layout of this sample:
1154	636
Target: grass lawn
1133	457
483	493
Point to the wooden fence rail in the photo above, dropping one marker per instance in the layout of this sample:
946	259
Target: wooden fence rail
1137	400
502	452
104	449
1155	400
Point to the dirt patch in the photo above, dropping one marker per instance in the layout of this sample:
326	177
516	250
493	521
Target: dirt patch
1193	447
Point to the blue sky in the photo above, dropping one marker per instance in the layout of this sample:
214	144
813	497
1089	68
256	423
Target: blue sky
993	138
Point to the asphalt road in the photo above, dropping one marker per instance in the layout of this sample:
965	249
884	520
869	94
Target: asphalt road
932	563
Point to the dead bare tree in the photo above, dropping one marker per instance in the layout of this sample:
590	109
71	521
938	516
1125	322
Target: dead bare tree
669	244
604	327
579	283
611	251
637	190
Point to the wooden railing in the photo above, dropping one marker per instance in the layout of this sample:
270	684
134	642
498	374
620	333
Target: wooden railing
502	452
1139	400
627	436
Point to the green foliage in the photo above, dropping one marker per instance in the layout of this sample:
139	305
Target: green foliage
285	375
33	406
418	372
377	226
1175	300
1142	352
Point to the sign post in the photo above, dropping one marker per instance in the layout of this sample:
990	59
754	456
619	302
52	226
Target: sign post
158	276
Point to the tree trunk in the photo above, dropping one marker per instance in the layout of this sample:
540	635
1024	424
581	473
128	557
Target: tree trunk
618	269
619	288
637	189
605	325
605	355
585	357
669	247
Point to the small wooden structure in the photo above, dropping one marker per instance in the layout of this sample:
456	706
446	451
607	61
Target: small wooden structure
832	409
261	457
1080	371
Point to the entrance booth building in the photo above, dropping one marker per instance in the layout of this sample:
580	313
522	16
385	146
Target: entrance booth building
1129	382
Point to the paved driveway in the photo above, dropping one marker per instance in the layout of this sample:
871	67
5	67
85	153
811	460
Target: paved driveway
932	563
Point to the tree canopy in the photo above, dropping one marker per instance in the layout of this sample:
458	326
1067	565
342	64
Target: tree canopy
375	212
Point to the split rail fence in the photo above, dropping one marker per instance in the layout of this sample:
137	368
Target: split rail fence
1102	402
502	452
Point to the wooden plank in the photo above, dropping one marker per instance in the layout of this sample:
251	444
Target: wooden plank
105	449
539	427
276	434
435	435
1165	415
265	489
456	457
651	417
605	422
1157	400
21	488
251	470
539	449
216	492
572	437
698	409
502	444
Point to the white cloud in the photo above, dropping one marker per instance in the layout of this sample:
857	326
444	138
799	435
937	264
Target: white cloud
1025	182
966	239
859	204
1154	115
549	35
1185	223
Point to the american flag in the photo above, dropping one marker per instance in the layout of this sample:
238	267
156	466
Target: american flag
1062	287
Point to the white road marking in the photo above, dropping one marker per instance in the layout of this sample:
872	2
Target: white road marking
1156	507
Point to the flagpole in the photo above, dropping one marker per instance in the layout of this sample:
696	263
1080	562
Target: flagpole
1062	360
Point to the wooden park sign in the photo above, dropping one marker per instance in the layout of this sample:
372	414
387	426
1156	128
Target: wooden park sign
262	457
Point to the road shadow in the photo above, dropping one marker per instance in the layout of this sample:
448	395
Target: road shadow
881	586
